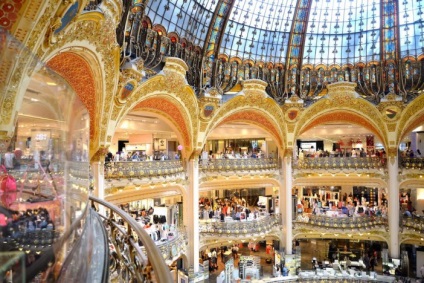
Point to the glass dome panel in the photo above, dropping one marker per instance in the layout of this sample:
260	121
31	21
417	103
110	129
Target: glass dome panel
44	193
411	27
342	32
259	30
189	19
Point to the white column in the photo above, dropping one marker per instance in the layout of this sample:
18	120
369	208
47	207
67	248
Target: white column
392	163
97	170
287	196
191	214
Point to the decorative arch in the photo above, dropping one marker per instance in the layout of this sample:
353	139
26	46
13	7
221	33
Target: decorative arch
411	117
342	103
168	95
256	118
263	112
77	71
170	111
342	116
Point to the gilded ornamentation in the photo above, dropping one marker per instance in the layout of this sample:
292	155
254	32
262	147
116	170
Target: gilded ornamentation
391	113
9	9
256	102
292	114
391	127
99	155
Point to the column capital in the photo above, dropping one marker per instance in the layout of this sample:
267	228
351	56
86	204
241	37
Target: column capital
392	154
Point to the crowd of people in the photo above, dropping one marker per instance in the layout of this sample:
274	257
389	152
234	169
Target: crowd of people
235	207
345	152
349	205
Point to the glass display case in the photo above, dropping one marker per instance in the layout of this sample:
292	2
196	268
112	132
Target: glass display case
44	165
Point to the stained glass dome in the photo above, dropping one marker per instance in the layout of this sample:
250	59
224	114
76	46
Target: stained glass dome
297	46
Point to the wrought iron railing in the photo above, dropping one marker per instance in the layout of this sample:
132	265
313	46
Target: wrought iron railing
357	223
340	163
128	262
240	228
143	169
411	163
241	164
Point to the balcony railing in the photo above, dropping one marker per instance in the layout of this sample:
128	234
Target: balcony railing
411	163
328	163
172	249
240	228
143	169
128	262
413	223
240	164
357	223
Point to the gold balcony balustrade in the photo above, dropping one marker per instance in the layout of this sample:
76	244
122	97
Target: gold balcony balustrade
128	262
328	163
143	169
414	223
329	222
240	164
248	228
411	163
174	248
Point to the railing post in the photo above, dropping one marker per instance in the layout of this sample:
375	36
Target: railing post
393	204
191	213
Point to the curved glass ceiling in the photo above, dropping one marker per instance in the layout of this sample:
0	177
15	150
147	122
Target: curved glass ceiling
259	30
189	19
319	32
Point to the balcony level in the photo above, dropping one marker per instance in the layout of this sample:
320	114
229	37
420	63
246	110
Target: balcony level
237	230
345	164
150	171
331	227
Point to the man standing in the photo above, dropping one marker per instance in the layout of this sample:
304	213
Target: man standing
422	271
